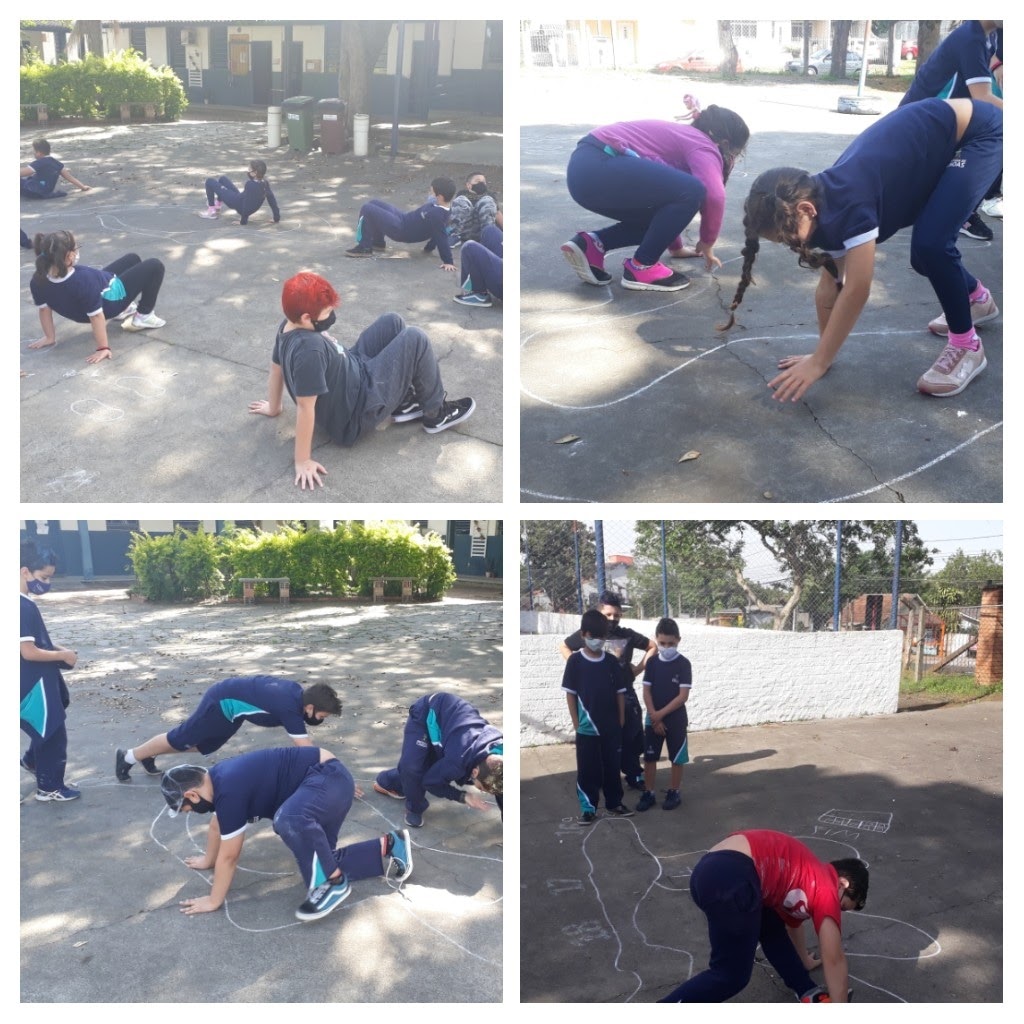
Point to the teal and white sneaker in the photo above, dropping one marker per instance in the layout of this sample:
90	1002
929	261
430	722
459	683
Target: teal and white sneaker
324	898
399	854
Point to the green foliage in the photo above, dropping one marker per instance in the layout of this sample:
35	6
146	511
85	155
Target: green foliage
342	562
952	687
552	559
97	86
181	566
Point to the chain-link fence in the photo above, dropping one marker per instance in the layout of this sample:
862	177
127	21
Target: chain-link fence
801	576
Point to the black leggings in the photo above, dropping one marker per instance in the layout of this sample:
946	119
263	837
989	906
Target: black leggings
139	277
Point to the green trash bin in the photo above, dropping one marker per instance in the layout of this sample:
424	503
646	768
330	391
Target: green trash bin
298	120
332	124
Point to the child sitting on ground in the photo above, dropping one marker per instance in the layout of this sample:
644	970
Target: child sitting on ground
39	178
482	269
222	191
428	223
125	290
474	209
667	681
390	373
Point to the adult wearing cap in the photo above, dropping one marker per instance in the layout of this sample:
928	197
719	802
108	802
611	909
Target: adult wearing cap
308	793
447	744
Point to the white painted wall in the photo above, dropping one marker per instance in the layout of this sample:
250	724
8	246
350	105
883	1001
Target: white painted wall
740	677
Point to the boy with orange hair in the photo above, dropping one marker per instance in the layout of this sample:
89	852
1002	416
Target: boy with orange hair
390	373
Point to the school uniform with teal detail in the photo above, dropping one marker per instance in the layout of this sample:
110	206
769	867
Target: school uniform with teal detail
445	739
263	700
665	679
596	684
44	696
308	801
961	60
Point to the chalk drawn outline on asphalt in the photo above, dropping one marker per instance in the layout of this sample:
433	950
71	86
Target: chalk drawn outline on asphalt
591	325
406	901
583	932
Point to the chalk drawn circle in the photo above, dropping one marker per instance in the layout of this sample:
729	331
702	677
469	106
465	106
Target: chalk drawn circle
94	409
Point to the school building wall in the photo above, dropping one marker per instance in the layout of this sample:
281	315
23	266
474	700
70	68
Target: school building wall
740	677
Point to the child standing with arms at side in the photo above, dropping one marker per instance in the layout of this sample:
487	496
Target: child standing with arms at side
223	191
428	223
667	682
596	695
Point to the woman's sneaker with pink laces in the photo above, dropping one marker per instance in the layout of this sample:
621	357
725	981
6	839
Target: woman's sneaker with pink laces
953	371
586	256
981	313
658	278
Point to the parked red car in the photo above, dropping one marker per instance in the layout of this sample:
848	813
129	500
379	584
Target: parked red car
908	50
697	60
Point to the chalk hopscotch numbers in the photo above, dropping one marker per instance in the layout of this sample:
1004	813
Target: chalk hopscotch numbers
557	886
586	932
878	822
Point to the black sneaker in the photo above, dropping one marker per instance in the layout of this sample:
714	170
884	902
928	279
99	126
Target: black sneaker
149	763
449	415
359	250
324	898
635	782
977	228
121	766
587	818
408	409
622	811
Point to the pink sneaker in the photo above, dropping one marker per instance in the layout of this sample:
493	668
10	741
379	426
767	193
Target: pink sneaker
952	371
658	278
210	213
586	256
981	313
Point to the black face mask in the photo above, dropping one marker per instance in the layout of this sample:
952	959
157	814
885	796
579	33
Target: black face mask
480	188
312	720
201	806
322	325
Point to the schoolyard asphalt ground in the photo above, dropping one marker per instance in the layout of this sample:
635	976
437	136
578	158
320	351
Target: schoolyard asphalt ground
606	913
167	418
101	877
641	378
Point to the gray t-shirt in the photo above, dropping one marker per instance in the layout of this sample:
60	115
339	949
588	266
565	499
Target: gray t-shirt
313	365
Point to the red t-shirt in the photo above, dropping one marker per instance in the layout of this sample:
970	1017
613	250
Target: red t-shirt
794	883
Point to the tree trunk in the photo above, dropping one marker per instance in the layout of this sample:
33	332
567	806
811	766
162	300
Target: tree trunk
890	69
840	44
361	45
928	38
730	56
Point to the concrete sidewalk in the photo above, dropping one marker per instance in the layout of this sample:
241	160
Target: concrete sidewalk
606	913
640	378
166	418
101	877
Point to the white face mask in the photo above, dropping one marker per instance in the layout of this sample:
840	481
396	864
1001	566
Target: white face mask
594	643
667	653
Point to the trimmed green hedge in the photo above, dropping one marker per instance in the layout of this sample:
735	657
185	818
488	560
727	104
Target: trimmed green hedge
97	86
341	562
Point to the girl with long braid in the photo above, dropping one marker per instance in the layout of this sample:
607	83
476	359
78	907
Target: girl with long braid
925	166
652	178
90	295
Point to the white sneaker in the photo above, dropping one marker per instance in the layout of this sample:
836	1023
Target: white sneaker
127	312
140	322
210	213
993	207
